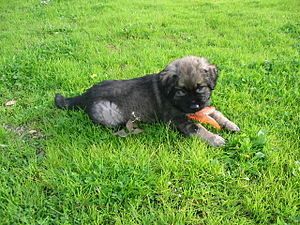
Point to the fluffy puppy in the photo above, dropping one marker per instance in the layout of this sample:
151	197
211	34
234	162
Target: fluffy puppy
183	87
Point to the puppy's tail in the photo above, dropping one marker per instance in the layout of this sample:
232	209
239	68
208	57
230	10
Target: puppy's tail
69	103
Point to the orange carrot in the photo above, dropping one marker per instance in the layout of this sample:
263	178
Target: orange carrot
203	116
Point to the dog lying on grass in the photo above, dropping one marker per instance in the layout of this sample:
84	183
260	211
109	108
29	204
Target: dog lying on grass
182	88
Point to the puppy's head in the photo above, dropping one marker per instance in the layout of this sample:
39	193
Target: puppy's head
188	83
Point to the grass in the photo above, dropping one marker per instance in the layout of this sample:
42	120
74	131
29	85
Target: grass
59	168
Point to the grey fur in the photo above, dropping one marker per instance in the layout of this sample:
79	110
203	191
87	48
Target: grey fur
107	113
183	87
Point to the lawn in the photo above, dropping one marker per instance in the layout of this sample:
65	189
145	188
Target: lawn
57	167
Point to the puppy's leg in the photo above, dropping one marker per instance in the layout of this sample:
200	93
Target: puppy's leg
188	128
224	122
213	139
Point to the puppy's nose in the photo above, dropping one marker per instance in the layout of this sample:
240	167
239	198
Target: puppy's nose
195	106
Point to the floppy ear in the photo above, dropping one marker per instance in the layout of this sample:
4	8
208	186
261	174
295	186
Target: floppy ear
212	73
167	81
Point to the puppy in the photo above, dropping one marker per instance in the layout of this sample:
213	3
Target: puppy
183	87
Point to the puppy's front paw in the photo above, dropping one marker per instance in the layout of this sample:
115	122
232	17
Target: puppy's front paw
216	141
232	127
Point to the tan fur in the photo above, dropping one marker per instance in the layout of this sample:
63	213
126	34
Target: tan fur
188	70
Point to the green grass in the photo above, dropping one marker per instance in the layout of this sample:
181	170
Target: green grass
74	172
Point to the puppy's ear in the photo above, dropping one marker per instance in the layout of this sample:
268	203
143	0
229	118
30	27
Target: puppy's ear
168	81
212	73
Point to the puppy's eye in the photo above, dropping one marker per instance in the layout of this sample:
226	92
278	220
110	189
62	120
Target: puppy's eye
180	93
201	89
